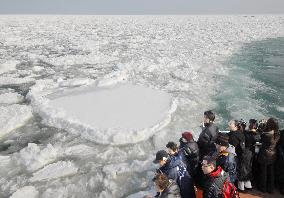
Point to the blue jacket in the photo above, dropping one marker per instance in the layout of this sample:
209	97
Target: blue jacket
176	170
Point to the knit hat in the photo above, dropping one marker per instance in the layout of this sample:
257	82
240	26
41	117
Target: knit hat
187	135
222	139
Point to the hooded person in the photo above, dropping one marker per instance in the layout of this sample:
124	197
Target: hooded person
226	156
175	170
190	152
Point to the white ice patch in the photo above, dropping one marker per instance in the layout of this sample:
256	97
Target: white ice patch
75	82
14	80
119	114
136	166
10	98
33	158
4	162
26	192
143	194
113	79
55	170
8	66
38	68
79	150
279	108
13	116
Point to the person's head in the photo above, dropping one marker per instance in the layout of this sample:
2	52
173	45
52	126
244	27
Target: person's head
242	125
161	182
271	125
209	117
233	125
172	148
253	124
261	125
222	142
208	164
161	157
186	137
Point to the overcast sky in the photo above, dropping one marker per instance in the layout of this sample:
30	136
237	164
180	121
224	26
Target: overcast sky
141	6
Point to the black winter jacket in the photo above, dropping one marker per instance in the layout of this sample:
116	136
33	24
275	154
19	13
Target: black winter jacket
251	138
172	191
207	139
236	138
244	155
267	152
190	153
280	161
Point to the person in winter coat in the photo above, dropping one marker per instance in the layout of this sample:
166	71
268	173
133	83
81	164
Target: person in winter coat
252	141
208	135
190	151
280	163
252	136
166	188
244	156
226	156
175	169
216	177
267	155
174	152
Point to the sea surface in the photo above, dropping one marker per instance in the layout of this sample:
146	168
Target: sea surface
230	64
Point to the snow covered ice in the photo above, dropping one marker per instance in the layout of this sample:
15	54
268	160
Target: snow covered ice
118	115
86	101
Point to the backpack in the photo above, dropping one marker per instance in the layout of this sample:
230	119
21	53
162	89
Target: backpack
229	190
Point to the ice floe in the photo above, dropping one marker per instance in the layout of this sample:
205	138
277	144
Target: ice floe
55	170
26	192
10	98
33	157
8	66
13	116
118	114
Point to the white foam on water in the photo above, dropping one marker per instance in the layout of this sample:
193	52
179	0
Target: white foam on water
279	108
26	192
13	116
55	170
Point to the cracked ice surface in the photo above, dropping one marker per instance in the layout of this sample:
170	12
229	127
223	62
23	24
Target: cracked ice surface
183	56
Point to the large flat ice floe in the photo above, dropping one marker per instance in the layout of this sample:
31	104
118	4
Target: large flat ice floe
117	114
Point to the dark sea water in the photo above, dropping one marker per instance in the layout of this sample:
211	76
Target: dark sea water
254	87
